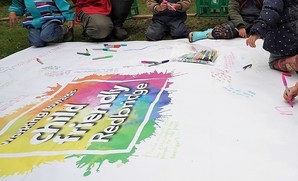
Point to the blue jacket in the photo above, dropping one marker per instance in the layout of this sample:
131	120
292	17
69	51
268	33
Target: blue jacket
42	11
278	26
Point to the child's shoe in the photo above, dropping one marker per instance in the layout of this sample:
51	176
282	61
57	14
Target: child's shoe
199	35
67	33
120	33
286	64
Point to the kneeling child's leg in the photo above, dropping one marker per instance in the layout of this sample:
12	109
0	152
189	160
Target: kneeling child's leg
285	64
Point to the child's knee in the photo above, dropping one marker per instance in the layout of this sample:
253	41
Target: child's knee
153	35
99	31
179	34
37	43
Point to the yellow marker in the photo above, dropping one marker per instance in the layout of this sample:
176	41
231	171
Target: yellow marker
210	55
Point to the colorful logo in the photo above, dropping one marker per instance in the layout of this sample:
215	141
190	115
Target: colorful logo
94	119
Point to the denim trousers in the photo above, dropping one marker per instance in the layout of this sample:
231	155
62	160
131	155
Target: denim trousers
49	32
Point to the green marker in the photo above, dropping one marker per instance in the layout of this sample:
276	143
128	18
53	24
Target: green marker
105	49
97	58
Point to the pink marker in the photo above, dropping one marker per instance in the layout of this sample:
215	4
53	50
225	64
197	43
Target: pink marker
287	89
149	62
39	61
169	4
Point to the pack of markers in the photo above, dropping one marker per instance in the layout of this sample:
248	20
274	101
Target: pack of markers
198	54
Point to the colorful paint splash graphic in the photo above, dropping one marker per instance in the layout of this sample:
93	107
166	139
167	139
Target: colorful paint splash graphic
94	119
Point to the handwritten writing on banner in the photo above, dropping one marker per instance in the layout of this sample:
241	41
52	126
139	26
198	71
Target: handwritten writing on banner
284	110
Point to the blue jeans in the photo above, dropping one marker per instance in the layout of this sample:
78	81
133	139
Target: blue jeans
49	32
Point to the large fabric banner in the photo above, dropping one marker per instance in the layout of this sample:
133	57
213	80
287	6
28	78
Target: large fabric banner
146	111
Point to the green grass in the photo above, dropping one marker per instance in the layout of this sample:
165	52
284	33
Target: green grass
15	39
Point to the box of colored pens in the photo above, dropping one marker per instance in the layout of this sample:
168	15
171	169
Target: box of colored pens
203	56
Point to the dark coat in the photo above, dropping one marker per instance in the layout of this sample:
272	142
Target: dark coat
169	15
278	26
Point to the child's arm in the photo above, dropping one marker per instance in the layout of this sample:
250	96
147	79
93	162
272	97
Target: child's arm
236	18
251	40
293	92
183	5
154	7
65	9
18	7
13	19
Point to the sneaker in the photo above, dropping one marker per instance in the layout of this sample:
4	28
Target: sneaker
199	35
286	64
64	28
120	33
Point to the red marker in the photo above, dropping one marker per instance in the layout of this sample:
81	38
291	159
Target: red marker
112	46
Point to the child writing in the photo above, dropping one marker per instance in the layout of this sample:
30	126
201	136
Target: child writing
241	16
293	92
278	26
44	19
168	17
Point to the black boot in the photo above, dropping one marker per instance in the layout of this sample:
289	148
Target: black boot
120	11
120	33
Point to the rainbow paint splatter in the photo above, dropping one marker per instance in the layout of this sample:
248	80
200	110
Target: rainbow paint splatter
94	119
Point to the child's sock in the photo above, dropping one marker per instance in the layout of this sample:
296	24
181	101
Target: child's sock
199	35
286	64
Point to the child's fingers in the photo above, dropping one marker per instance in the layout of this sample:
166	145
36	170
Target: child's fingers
250	42
288	96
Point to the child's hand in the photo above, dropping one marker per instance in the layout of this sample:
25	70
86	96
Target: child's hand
70	24
251	40
177	6
292	93
242	32
13	19
162	6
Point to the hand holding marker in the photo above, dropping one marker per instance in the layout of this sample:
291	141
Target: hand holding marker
287	89
169	5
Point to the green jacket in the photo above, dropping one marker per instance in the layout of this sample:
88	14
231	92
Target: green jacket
242	13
